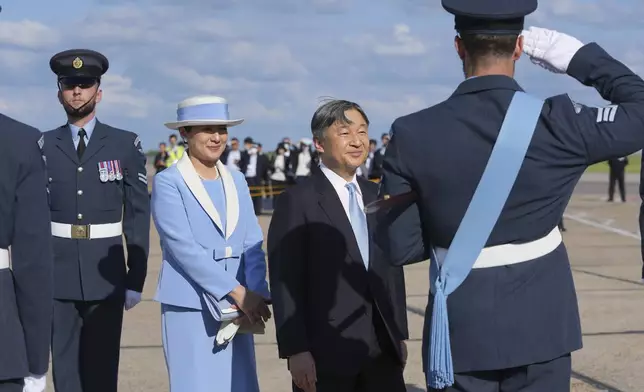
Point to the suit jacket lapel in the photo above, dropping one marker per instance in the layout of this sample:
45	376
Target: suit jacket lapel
232	198
192	180
332	206
66	144
96	142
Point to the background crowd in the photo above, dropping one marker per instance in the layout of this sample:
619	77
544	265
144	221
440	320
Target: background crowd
269	172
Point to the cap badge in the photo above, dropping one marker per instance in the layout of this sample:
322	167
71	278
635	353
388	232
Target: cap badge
77	63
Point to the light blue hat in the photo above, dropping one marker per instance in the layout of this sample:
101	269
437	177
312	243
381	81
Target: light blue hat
203	110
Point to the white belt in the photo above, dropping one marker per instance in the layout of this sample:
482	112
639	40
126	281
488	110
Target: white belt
507	254
86	232
4	259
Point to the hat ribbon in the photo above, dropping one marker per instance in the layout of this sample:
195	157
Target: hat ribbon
206	111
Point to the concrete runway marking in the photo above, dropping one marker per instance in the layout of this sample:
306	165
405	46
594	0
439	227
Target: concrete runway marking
581	218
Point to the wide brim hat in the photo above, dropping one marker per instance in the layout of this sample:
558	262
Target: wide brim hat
203	110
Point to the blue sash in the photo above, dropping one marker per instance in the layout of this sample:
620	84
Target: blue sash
475	228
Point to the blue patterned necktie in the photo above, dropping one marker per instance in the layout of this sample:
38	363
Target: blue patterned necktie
358	223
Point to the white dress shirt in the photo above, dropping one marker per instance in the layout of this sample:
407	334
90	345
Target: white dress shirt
233	155
339	184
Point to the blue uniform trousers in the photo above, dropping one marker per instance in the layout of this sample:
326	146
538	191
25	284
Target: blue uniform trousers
11	385
550	376
86	344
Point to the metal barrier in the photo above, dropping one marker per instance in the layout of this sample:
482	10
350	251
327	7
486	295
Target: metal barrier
274	190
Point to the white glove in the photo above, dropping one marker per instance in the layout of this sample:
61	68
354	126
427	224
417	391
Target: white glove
132	298
550	49
35	383
226	332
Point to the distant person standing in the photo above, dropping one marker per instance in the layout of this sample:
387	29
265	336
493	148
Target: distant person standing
379	155
161	158
233	156
617	166
175	152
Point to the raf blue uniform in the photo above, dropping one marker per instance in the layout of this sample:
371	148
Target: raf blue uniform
26	285
515	324
101	193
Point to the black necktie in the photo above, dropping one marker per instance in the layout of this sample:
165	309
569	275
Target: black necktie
81	143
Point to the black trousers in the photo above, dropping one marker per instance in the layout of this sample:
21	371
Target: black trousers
382	372
551	376
616	175
14	385
254	183
86	340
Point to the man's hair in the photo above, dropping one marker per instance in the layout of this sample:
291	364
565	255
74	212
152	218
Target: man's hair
482	48
330	112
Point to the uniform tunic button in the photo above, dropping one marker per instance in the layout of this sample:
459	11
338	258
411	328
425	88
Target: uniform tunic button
79	216
80	192
80	169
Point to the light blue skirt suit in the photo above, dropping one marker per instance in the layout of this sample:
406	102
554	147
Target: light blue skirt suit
211	242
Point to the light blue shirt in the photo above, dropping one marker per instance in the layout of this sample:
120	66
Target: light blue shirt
89	128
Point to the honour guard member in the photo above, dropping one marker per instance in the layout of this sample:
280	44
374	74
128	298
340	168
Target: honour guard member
502	314
26	284
98	187
26	260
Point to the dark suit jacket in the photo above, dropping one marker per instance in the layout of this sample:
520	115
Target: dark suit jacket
323	297
261	166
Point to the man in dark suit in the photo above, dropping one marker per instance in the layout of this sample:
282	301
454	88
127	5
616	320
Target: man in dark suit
378	158
26	260
98	187
339	307
251	165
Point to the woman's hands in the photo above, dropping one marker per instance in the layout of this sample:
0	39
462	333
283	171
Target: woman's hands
252	304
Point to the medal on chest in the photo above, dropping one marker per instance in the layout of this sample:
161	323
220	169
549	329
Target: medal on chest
110	170
119	171
102	171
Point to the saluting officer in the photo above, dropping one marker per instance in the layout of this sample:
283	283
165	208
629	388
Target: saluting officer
514	319
26	284
98	188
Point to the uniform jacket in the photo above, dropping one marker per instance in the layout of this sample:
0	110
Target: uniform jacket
324	299
94	269
524	313
199	255
26	289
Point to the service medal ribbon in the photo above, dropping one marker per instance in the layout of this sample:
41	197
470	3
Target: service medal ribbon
119	171
102	171
110	169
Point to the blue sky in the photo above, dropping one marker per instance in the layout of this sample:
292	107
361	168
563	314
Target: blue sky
273	63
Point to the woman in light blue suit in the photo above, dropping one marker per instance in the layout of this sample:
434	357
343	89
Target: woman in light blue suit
212	285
